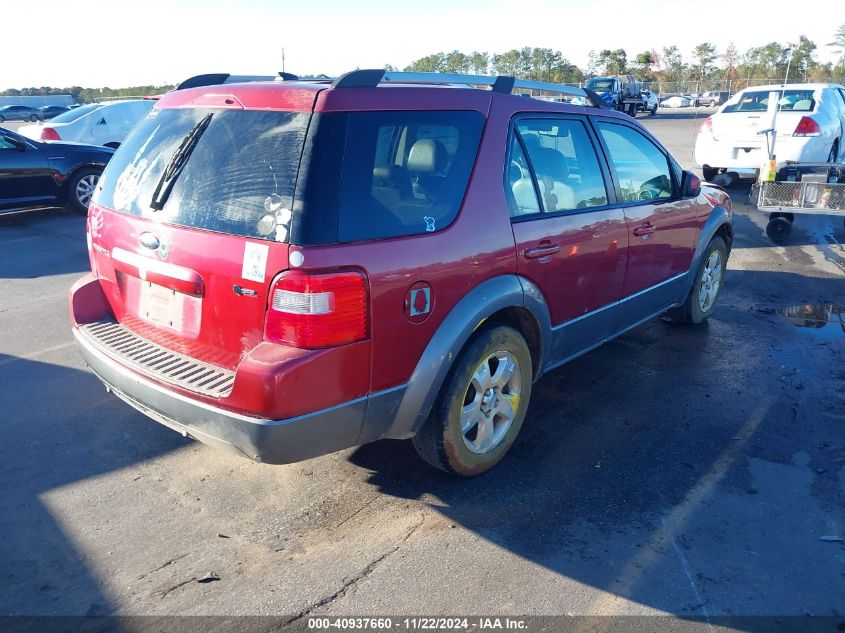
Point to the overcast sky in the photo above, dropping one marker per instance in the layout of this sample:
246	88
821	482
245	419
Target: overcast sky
119	43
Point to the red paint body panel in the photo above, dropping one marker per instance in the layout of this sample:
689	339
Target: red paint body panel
588	270
667	250
251	96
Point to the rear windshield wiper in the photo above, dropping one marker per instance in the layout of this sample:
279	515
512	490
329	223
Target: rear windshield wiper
177	162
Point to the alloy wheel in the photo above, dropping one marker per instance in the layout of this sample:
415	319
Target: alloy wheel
491	402
85	188
711	280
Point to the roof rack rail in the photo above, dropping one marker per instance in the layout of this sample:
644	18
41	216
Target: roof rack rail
503	84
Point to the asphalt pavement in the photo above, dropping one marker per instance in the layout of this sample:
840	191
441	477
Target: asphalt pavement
694	471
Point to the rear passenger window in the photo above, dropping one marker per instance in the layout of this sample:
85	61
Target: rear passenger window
641	168
563	162
405	172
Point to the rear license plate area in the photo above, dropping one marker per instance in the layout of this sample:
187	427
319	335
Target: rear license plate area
161	306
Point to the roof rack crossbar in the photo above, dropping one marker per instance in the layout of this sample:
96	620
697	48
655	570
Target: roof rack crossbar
504	84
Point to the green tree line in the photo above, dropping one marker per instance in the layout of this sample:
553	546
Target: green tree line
87	95
705	66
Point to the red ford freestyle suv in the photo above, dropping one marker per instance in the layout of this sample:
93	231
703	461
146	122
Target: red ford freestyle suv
288	268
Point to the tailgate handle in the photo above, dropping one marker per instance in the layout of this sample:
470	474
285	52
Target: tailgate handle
160	273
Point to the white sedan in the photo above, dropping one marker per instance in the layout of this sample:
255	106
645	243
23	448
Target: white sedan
809	124
96	124
676	102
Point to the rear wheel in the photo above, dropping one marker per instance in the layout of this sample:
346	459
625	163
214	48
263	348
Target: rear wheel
654	109
33	118
702	297
632	110
709	173
779	227
81	188
482	404
2	119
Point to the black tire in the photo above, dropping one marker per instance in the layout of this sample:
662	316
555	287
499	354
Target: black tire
653	109
441	442
779	227
2	119
632	110
692	310
33	118
709	172
712	104
76	203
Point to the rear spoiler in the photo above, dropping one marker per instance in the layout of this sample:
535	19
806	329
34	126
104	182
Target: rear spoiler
215	79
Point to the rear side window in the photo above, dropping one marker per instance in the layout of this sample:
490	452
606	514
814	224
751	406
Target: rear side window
642	170
404	173
76	113
758	101
564	165
238	179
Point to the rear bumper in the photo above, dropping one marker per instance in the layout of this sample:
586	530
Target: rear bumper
259	439
750	155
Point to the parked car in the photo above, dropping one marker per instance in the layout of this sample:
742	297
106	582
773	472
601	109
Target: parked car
650	101
35	174
50	111
18	113
336	263
97	123
678	101
712	98
810	128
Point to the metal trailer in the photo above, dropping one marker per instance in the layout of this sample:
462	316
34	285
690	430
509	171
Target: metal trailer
808	188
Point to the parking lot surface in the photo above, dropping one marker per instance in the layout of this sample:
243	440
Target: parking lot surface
696	471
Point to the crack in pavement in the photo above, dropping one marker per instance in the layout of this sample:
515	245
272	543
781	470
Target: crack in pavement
357	577
162	593
160	567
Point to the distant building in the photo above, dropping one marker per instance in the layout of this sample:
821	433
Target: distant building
37	102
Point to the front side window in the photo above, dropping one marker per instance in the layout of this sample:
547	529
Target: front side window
563	163
405	173
642	170
237	178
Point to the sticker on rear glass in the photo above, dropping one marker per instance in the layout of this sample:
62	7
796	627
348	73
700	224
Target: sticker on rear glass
255	261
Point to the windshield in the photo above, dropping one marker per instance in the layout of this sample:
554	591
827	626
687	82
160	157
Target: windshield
600	85
77	113
238	178
758	101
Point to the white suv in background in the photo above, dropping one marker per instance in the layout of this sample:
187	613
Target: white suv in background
810	127
96	124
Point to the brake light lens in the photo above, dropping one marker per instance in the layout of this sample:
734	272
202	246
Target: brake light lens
807	127
317	310
707	126
49	134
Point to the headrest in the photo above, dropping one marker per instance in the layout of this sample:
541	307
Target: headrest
549	162
383	172
427	156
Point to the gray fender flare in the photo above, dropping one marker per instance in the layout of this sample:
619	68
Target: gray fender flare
478	304
719	217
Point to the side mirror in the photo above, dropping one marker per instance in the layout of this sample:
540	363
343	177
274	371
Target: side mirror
690	185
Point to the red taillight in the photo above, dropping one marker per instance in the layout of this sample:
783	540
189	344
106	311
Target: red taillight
49	134
318	310
706	126
807	127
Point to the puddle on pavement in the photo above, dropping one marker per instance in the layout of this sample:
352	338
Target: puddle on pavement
824	320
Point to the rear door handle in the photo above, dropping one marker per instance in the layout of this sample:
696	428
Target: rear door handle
544	250
645	229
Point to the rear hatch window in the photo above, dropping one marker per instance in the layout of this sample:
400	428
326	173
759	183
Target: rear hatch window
232	171
758	101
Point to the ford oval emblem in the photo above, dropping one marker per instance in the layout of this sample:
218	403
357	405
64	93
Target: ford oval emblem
148	240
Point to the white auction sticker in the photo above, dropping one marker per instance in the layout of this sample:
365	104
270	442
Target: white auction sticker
255	261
